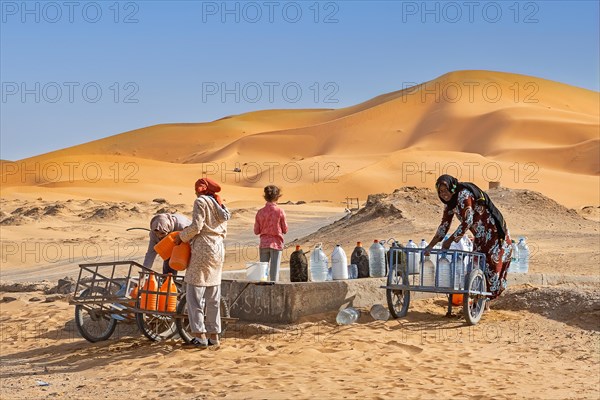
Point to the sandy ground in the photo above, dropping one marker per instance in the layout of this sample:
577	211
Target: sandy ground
537	343
530	335
48	239
43	239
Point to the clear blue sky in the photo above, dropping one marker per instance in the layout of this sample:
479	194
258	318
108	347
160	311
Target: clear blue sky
161	62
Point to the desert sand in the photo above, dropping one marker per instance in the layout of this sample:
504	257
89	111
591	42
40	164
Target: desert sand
537	343
541	142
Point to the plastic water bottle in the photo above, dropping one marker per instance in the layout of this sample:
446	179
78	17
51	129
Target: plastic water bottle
347	316
523	256
339	264
460	260
395	255
352	271
318	264
423	257
458	272
360	257
380	312
457	246
386	260
412	258
514	258
376	260
444	271
468	243
298	266
428	272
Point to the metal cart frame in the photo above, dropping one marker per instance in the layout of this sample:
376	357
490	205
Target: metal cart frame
102	300
465	277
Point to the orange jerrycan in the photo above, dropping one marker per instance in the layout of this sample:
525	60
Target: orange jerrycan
164	248
148	300
133	295
180	258
167	297
457	299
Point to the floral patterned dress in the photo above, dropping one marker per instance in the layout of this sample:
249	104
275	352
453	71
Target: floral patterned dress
477	218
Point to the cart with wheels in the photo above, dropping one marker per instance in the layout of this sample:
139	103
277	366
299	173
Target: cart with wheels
108	293
115	292
451	272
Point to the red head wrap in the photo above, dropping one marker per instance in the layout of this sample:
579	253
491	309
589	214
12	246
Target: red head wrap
208	187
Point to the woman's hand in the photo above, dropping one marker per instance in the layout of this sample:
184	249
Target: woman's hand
427	250
447	243
177	239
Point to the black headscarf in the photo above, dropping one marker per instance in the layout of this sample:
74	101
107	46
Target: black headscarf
454	187
452	184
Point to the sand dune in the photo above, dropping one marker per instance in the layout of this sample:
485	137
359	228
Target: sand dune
527	126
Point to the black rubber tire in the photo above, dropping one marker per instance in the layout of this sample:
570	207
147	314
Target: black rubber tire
183	324
398	300
474	306
98	325
156	327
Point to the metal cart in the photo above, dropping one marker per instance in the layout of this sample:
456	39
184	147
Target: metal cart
451	272
105	296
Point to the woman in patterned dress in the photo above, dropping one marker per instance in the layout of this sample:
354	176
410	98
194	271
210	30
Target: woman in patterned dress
476	213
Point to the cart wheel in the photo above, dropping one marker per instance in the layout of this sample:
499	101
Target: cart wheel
398	300
93	321
183	324
474	305
156	327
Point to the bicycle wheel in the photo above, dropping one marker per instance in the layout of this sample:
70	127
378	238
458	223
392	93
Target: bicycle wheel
183	323
474	304
398	300
93	321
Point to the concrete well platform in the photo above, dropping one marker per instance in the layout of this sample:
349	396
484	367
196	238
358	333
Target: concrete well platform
286	302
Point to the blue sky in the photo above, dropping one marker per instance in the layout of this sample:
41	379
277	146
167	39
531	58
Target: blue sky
76	71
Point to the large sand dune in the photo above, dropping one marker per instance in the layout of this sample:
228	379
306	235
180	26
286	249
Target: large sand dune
524	131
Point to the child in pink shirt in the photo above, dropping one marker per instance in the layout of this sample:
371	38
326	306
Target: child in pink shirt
271	225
